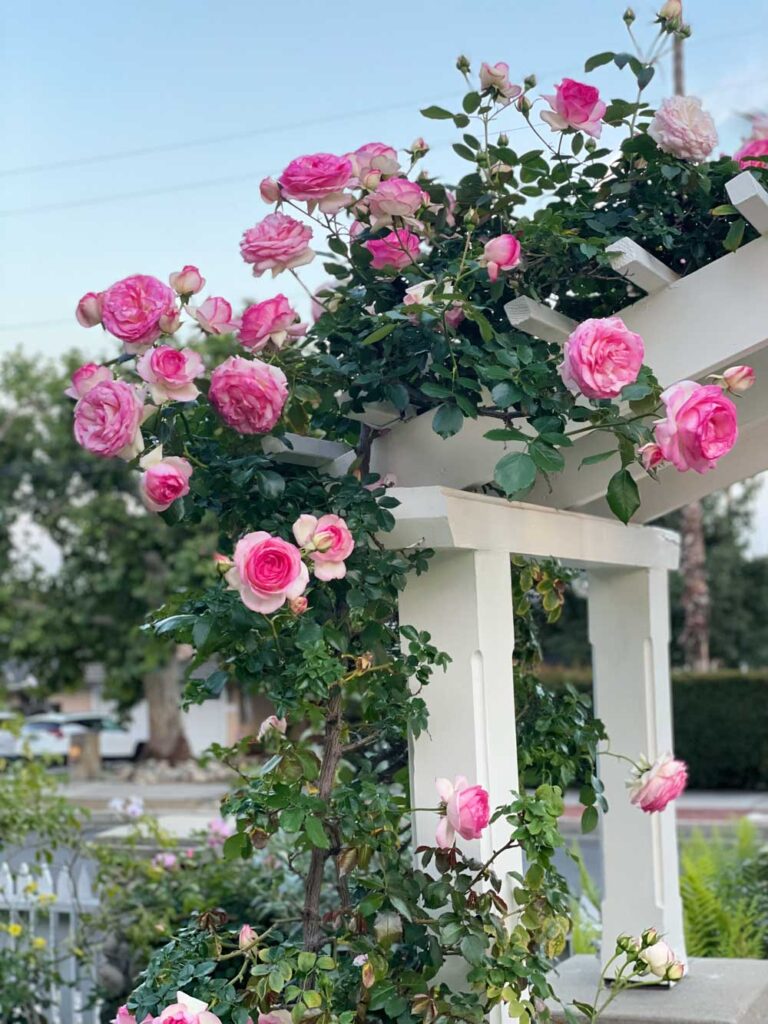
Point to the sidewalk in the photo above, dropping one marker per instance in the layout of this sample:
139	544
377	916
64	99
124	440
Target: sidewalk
701	807
202	797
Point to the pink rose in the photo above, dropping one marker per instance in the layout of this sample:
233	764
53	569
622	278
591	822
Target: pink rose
268	571
754	153
107	420
248	395
658	784
671	10
467	811
275	1017
298	605
219	830
273	722
165	860
395	250
575	105
89	308
246	937
736	379
495	78
86	377
164	481
276	243
269	190
328	542
187	1010
601	357
372	162
215	316
700	426
273	320
132	308
502	253
396	197
682	128
187	281
170	373
759	125
651	456
319	178
124	1016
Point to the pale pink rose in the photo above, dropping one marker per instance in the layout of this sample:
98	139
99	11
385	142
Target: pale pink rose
248	395
736	379
318	179
107	420
273	722
215	316
454	315
89	309
501	253
246	937
170	373
298	605
187	281
276	243
269	190
395	197
187	1010
165	860
682	128
651	455
671	10
396	250
372	162
700	426
85	377
275	1017
467	811
575	105
164	482
495	77
268	571
219	830
754	153
169	324
419	147
132	308
601	357
658	784
124	1016
328	542
662	961
273	320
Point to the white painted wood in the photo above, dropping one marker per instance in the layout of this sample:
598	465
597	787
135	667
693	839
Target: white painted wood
304	451
539	320
750	199
629	633
381	414
632	261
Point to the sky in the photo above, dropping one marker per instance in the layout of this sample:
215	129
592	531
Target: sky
135	135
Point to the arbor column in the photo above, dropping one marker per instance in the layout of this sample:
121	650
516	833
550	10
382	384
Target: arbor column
629	633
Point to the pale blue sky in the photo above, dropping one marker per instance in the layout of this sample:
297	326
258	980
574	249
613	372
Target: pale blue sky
84	79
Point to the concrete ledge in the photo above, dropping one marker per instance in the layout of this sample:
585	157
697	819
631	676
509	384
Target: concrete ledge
715	992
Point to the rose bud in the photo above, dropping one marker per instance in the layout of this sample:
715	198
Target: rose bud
246	937
269	190
187	281
88	310
738	379
298	605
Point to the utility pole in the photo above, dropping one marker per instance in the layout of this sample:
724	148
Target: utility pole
678	67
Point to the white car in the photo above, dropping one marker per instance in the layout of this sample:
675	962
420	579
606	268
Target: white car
38	735
116	741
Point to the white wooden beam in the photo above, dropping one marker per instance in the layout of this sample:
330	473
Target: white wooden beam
750	199
632	261
539	320
304	451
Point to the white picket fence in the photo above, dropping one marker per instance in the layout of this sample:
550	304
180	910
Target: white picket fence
51	907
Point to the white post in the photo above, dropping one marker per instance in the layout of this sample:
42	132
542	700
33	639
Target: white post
629	633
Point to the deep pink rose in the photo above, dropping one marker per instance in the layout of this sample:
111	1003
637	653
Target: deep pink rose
754	153
395	197
89	309
85	377
682	128
372	162
319	178
187	281
651	455
269	190
248	395
187	1011
736	379
658	784
215	316
395	250
575	105
164	481
467	811
700	426
495	78
268	571
276	243
107	420
273	320
170	373
132	308
328	542
501	253
601	357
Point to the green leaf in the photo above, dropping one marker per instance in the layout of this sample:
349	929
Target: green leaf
306	961
598	60
547	458
589	819
378	334
506	394
437	113
315	833
291	819
592	460
336	245
236	846
645	75
735	235
173	623
471	102
507	434
726	210
623	495
464	151
515	472
473	949
434	390
216	682
460	120
448	420
632	392
621	59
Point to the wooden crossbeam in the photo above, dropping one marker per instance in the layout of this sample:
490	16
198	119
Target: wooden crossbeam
750	199
632	261
538	320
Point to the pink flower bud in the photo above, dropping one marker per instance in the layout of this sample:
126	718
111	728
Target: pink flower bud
650	455
187	281
270	190
272	722
672	10
738	379
246	937
502	253
298	605
88	310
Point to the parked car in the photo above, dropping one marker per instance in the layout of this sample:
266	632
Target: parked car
8	739
116	741
46	734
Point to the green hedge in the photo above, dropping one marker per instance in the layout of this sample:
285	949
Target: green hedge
720	724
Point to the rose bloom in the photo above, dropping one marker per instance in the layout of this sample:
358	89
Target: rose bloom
276	243
215	316
601	357
682	128
659	784
671	9
268	571
372	162
187	1010
275	1017
273	722
85	377
164	481
754	153
736	378
170	373
467	811
218	831
396	197
496	77
700	426
132	308
107	420
575	105
502	253
395	250
88	312
187	281
269	190
248	395
328	541
273	320
660	958
320	178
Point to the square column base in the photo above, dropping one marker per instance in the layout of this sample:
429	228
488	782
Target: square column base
715	992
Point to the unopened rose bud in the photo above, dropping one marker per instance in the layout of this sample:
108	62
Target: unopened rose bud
628	944
298	605
590	145
629	16
530	81
524	105
684	31
269	190
462	63
649	937
222	563
676	971
419	147
88	310
187	281
738	379
671	10
503	139
169	324
246	937
651	455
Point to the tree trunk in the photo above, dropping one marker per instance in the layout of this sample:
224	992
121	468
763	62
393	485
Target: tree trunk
167	741
694	638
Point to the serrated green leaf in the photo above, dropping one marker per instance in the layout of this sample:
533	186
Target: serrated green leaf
448	420
436	113
598	60
378	334
515	472
623	495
